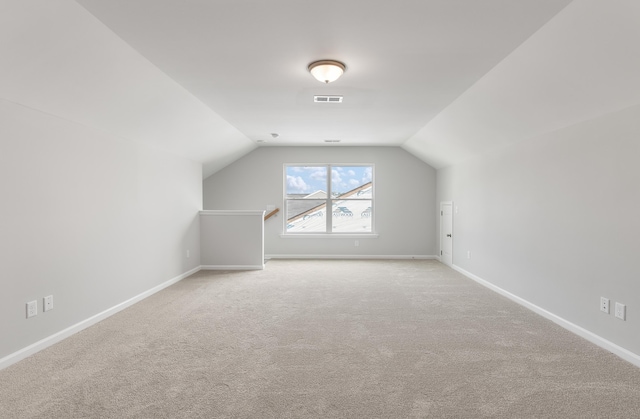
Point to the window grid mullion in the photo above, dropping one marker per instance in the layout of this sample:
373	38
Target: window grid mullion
329	204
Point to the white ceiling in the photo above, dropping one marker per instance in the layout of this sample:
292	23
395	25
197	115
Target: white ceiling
583	64
211	79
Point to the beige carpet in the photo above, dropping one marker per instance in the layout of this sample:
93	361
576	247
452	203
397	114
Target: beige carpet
323	339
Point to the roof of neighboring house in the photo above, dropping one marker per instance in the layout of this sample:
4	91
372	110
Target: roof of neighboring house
299	208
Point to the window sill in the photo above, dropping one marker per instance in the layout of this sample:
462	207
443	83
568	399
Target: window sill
329	236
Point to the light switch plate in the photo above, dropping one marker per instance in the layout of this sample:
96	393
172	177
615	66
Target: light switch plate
621	311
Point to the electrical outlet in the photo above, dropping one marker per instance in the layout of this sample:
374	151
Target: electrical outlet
32	308
621	311
604	305
188	253
356	243
468	254
47	303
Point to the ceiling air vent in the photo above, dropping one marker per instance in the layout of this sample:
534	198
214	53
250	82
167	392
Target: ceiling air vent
327	99
332	141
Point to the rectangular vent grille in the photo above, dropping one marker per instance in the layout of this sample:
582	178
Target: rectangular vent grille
327	99
332	141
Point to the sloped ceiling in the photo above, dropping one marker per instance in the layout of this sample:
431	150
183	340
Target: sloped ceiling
60	60
583	64
212	79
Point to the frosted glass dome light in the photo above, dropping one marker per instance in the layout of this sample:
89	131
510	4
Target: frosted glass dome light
326	71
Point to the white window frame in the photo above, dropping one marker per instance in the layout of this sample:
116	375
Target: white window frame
329	204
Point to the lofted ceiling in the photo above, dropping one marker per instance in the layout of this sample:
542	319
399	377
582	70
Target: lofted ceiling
213	79
247	59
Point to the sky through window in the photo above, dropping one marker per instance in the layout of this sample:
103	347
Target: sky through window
304	180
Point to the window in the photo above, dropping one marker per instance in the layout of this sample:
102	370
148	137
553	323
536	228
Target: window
329	199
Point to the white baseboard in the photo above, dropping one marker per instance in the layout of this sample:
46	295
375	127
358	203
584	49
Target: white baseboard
584	333
403	257
232	267
63	334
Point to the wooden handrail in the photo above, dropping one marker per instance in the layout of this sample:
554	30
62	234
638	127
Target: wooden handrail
271	214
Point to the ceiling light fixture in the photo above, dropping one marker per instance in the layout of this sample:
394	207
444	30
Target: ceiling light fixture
327	71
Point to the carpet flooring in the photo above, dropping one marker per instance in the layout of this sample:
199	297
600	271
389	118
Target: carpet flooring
323	339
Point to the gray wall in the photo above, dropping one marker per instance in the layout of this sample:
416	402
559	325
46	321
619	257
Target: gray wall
404	191
92	219
554	220
232	240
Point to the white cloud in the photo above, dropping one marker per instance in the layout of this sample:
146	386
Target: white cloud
335	177
368	175
320	173
295	184
354	182
351	173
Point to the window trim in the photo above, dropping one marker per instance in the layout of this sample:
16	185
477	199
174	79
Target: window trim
328	201
329	235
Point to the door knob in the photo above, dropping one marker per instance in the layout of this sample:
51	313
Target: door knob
448	235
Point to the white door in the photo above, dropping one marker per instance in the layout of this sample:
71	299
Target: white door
446	233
